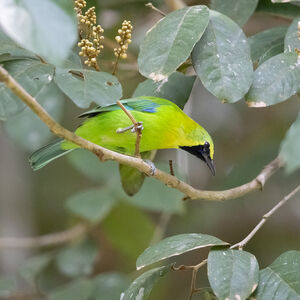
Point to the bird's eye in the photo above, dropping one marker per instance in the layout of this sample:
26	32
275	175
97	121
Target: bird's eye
206	145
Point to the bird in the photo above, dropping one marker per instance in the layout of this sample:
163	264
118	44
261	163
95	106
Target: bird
165	126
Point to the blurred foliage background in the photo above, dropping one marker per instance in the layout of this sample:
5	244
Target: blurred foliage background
246	139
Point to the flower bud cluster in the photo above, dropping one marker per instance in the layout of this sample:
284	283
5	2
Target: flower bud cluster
123	39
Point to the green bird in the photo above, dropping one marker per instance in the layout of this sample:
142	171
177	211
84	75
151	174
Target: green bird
165	126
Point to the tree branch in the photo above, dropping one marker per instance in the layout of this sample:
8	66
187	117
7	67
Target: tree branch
264	219
105	154
53	239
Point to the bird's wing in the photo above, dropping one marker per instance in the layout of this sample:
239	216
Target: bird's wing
139	104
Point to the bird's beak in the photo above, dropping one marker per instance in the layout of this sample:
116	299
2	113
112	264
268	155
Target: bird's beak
210	163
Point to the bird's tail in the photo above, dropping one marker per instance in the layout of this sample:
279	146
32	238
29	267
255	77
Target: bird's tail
45	155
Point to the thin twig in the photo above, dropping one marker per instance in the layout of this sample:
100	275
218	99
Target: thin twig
264	219
53	239
137	129
150	5
105	154
171	167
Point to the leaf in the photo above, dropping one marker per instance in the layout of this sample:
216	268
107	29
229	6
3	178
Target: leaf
262	42
176	245
7	286
42	27
78	259
93	204
284	1
278	9
26	129
141	287
84	87
80	289
169	43
280	280
155	196
90	166
33	266
32	75
177	88
239	11
109	286
289	148
129	230
274	81
291	41
222	60
232	274
271	52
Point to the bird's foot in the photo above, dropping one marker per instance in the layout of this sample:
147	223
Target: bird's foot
152	167
132	128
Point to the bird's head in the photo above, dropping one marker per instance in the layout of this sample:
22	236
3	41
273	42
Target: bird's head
203	150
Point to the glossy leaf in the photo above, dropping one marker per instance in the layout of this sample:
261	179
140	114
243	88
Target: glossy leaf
84	87
109	286
28	22
31	75
33	266
155	196
7	286
93	204
80	289
232	274
280	280
289	148
129	230
239	11
26	129
291	41
170	41
177	88
264	41
285	10
141	287
222	59
176	245
273	51
78	259
90	166
275	80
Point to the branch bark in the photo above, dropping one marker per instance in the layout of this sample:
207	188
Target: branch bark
105	154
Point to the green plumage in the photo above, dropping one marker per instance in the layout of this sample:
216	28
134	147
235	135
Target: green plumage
165	126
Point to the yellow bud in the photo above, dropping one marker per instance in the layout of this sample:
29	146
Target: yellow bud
123	55
118	39
128	41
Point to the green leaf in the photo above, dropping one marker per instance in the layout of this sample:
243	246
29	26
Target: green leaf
26	129
156	196
33	266
84	87
109	286
222	59
32	75
291	41
289	148
273	51
239	11
89	165
176	245
177	88
78	259
141	287
232	274
280	280
93	204
285	10
264	41
169	43
43	27
129	230
80	289
12	50
7	286
275	80
284	1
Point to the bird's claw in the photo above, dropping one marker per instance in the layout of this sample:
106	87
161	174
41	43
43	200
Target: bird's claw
152	167
132	128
